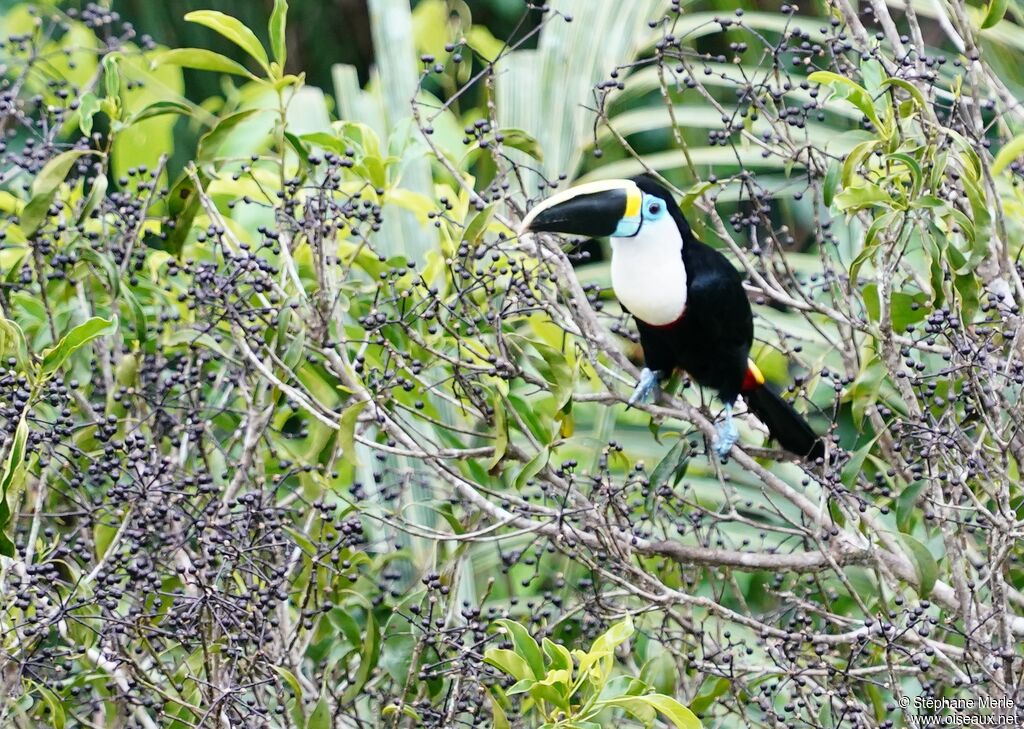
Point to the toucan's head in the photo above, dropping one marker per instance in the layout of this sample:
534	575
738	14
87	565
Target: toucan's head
607	208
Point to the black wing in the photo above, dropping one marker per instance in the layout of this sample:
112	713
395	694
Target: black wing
717	329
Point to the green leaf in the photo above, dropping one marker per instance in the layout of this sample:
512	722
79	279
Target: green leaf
508	662
500	430
672	467
864	195
398	647
283	320
96	195
521	687
844	88
335	144
210	143
670	470
300	149
320	718
969	155
1008	153
863	393
854	159
234	30
967	289
871	243
88	106
102	537
672	710
54	357
302	541
391	710
296	348
970	233
144	142
979	208
276	29
994	13
556	370
347	433
828	188
106	264
295	708
525	646
127	370
906	502
532	467
159	108
615	636
913	167
933	247
872	74
679	715
12	343
183	203
369	653
112	76
44	188
854	467
925	566
545	692
14	459
344	621
201	59
415	203
902	308
362	136
518	139
56	707
915	93
597	662
138	315
559	657
661	673
477	226
481	40
696	191
705	699
500	718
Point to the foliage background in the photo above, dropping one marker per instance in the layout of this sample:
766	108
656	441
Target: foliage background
298	433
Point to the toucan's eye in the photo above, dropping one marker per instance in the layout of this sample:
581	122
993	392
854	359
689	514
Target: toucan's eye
654	208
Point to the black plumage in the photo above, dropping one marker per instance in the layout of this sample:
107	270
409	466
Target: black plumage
711	341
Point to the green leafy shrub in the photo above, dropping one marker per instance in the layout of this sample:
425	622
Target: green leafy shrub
577	690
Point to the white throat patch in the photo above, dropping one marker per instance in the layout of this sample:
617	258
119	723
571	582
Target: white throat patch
648	275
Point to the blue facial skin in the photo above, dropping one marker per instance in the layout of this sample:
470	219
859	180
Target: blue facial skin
651	209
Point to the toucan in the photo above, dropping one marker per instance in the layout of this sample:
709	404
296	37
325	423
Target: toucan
687	299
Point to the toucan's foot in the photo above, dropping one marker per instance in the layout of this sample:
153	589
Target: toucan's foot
647	385
727	435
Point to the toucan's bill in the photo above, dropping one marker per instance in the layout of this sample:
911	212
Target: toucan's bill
596	209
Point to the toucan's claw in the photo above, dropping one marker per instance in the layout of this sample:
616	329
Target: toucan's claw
647	385
727	436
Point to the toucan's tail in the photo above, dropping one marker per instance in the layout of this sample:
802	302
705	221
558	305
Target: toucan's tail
784	423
